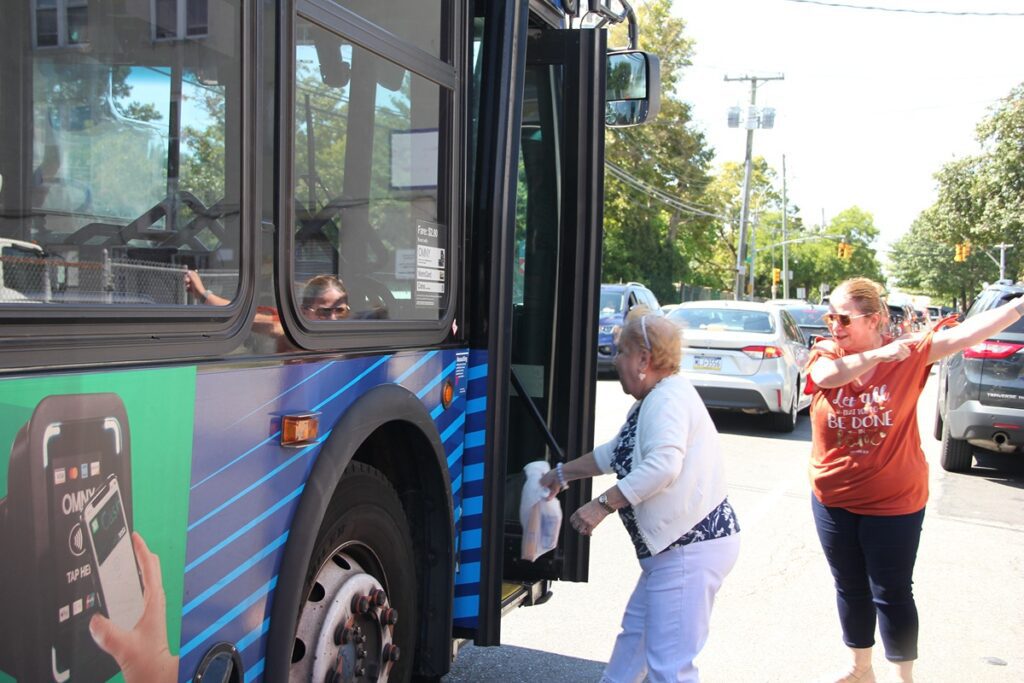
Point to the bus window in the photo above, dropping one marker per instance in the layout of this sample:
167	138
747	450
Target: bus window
416	23
369	189
121	157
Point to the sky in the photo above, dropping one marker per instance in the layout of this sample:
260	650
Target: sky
873	103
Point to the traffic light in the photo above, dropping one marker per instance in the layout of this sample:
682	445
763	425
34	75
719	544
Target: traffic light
959	255
841	250
776	275
966	249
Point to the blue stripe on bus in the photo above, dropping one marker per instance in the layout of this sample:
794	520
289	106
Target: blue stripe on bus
253	635
477	371
458	515
473	472
454	456
352	383
477	405
254	671
415	366
473	506
474	439
207	478
469	572
249	525
456	484
471	539
453	427
227	618
468	606
282	394
436	412
437	380
253	486
472	555
235	573
465	589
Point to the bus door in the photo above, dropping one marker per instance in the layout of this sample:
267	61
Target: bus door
555	281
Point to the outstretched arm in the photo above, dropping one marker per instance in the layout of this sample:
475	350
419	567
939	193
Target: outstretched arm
975	329
828	373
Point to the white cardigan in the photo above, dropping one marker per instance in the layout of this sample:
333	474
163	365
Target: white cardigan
678	476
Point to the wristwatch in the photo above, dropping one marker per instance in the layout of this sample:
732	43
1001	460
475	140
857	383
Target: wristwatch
602	500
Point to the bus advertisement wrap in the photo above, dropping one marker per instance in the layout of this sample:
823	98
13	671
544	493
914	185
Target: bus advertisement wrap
93	458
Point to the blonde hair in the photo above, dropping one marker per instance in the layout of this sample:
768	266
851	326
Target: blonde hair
867	296
656	333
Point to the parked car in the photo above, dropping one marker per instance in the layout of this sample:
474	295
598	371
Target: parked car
810	319
745	356
901	320
615	302
981	390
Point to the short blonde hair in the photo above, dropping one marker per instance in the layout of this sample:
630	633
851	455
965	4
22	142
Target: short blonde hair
867	296
656	333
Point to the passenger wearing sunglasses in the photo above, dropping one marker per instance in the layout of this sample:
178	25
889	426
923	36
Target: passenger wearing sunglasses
868	472
324	298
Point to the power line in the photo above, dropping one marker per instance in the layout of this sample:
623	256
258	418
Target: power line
905	10
657	194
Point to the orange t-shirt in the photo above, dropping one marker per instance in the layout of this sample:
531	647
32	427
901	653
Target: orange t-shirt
866	452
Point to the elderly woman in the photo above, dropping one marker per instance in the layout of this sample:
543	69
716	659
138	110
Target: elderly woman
671	496
868	472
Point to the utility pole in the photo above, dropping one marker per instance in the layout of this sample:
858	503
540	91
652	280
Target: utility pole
785	246
741	253
753	252
1002	259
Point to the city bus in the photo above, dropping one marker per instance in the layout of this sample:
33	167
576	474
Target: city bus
292	291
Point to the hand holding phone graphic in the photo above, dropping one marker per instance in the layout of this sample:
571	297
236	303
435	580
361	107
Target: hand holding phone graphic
110	541
142	653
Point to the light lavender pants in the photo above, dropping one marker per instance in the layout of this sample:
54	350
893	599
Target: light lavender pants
666	620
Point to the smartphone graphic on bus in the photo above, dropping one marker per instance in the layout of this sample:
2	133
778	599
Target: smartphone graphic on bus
110	541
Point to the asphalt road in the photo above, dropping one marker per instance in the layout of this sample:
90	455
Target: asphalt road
775	618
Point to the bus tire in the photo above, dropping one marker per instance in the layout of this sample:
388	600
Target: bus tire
363	546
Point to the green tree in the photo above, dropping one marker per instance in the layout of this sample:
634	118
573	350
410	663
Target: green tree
645	237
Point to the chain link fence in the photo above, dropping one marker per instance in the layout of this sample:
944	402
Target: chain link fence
112	280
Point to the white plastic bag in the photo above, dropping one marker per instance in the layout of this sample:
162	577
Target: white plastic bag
541	518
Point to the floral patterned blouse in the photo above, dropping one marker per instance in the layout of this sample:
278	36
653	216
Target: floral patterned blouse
719	522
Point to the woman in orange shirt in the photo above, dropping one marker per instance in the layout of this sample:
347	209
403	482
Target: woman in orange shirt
868	472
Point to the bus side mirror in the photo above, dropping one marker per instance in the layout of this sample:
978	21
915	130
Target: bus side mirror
633	92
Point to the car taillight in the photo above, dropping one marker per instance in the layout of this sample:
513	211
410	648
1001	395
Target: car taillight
992	349
763	351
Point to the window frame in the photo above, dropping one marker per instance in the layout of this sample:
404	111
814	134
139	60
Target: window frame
180	22
69	335
61	10
449	75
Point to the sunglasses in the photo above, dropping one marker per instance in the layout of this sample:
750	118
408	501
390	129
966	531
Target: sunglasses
841	318
340	310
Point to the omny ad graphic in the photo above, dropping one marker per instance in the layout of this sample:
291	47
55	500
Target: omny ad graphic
93	506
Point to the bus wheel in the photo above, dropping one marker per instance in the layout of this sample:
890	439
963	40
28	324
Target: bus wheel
358	620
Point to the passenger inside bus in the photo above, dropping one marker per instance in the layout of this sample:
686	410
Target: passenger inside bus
324	297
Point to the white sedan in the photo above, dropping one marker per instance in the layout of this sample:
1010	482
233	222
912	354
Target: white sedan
745	356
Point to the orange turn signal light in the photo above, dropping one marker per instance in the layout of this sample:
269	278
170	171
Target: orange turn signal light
447	394
300	430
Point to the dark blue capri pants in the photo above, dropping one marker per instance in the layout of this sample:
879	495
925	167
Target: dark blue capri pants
872	561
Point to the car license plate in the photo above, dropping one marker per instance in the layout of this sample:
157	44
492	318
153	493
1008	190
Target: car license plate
712	363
